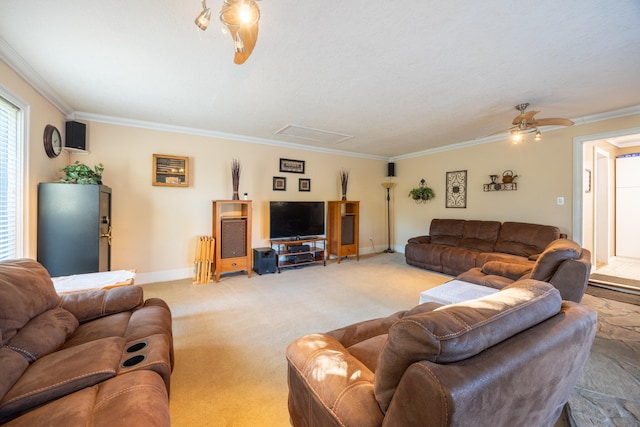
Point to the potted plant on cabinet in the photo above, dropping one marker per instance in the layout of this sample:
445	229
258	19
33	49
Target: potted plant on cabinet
79	173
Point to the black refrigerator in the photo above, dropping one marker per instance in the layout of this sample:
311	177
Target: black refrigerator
74	228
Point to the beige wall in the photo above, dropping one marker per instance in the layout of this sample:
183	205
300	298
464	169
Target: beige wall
544	169
155	228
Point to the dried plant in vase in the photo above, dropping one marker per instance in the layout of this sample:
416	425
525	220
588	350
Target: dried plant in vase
235	176
344	180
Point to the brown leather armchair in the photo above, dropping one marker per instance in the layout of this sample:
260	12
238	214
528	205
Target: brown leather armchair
563	263
511	358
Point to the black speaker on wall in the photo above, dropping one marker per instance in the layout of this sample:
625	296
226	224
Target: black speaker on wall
76	135
264	260
391	169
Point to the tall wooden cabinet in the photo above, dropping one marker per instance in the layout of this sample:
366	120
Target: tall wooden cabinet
343	229
74	228
232	230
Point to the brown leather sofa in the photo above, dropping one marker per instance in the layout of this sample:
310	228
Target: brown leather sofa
99	358
508	359
496	254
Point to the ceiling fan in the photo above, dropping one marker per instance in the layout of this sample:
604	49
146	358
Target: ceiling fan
525	123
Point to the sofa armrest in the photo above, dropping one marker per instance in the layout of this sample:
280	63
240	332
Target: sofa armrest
420	239
505	269
63	372
328	384
92	305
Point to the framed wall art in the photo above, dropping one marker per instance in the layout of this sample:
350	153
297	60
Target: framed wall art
170	171
304	184
279	183
293	166
457	189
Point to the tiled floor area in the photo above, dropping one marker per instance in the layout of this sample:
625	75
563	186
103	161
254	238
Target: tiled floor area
623	269
608	391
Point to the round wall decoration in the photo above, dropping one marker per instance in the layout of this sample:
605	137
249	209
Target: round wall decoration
52	141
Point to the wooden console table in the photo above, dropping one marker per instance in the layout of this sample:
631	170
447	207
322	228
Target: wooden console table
294	253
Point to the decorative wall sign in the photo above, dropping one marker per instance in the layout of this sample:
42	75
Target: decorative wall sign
171	171
279	183
457	189
304	184
293	166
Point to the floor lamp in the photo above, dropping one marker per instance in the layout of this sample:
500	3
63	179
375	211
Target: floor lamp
388	186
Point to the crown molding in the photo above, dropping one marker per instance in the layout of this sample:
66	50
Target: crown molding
24	70
608	115
212	134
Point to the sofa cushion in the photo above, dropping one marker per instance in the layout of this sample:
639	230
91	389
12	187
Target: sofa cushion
522	239
459	331
446	232
26	290
92	305
44	334
556	252
134	399
480	235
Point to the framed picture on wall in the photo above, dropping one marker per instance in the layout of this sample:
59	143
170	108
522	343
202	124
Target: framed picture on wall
279	183
293	166
457	189
304	184
170	171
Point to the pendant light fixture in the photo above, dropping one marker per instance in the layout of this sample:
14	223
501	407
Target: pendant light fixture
241	18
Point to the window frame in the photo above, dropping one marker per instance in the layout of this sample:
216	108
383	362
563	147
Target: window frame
22	187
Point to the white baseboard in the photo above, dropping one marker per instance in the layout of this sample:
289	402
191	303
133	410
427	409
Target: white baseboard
163	276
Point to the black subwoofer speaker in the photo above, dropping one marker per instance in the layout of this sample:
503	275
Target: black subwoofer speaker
75	135
233	239
264	260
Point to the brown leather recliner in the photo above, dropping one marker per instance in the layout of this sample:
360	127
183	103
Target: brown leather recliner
563	263
508	359
89	358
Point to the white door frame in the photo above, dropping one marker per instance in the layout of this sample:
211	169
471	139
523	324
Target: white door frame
578	174
602	219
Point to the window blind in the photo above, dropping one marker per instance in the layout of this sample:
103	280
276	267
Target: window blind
8	179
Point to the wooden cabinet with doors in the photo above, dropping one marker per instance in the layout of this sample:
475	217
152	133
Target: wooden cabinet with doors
343	229
231	229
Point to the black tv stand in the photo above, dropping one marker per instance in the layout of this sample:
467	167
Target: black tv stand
286	256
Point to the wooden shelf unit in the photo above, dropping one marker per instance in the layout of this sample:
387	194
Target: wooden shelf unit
343	229
286	257
232	230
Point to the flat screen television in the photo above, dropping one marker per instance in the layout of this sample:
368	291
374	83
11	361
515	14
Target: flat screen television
296	220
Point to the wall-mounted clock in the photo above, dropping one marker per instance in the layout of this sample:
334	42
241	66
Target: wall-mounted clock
52	141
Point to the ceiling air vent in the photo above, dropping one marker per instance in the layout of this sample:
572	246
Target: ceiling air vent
315	135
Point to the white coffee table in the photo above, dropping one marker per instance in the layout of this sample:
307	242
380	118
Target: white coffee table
455	291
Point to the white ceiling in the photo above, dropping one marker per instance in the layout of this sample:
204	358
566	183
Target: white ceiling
391	78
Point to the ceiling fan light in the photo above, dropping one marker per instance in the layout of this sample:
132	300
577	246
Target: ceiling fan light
238	43
239	13
516	136
538	136
204	17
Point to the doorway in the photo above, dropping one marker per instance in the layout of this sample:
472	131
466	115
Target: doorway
594	206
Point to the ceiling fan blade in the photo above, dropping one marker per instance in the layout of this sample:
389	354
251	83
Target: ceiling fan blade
552	122
249	36
527	117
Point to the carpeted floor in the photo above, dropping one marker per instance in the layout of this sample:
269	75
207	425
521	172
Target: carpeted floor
230	338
